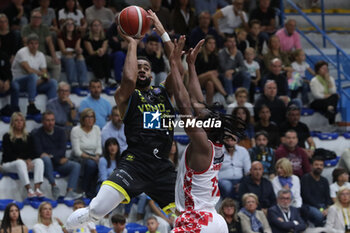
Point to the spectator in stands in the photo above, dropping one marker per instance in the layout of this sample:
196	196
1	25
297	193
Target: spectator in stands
153	52
324	91
48	14
96	46
5	80
50	144
255	37
236	164
264	154
266	15
152	225
260	186
12	221
207	65
252	219
339	212
115	128
9	40
270	99
241	40
340	180
253	68
303	133
286	180
274	51
86	146
118	222
204	29
210	7
30	75
71	11
163	14
248	141
270	127
46	224
19	157
298	157
344	161
183	17
164	222
231	66
284	217
46	45
69	42
228	210
289	37
100	105
100	12
226	20
108	162
91	227
16	15
315	194
241	96
63	108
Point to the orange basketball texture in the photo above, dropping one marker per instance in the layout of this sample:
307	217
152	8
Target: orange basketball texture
133	21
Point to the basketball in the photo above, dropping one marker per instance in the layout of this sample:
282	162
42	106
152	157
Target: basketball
133	21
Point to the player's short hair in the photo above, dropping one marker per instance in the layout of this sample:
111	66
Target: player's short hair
145	59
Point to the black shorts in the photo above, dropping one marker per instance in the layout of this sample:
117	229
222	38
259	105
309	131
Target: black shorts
137	174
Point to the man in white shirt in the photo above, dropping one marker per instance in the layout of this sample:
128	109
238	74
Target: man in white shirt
99	11
30	75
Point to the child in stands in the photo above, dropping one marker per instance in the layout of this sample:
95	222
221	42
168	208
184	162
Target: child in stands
119	223
91	227
152	225
254	71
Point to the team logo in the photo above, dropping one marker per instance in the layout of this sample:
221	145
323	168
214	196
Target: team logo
130	157
151	120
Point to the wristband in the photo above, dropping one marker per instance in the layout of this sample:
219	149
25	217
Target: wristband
165	37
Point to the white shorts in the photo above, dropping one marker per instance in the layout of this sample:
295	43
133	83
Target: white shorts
200	222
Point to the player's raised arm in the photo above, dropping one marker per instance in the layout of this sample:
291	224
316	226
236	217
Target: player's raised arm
128	82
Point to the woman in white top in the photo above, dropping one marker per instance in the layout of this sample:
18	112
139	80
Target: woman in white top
340	179
286	179
46	224
71	11
86	145
324	91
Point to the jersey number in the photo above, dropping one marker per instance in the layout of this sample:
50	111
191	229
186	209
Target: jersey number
216	191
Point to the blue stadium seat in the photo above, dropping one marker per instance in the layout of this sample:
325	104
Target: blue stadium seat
332	162
79	91
6	119
5	202
109	91
36	118
307	111
35	202
134	227
327	136
346	135
1	175
30	231
103	229
183	139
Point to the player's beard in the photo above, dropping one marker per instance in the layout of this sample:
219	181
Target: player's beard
143	83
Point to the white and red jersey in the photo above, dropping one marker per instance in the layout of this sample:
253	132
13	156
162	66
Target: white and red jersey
198	191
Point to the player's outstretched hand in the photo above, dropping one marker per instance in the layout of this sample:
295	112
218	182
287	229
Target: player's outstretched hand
178	47
192	53
158	27
128	38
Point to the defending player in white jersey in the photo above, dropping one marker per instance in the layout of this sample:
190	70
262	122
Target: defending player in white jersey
197	191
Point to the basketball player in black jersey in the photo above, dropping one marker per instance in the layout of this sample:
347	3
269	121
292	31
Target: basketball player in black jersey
144	165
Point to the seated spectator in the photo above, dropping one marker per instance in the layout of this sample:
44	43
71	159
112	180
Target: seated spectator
19	157
5	81
324	91
71	11
228	211
30	75
96	46
284	217
46	45
118	222
260	186
153	52
266	15
46	224
254	71
152	225
297	156
242	42
274	51
264	124
49	15
241	96
164	222
255	38
207	65
16	14
63	108
203	30
231	66
90	227
248	141
108	162
210	7
252	220
289	37
270	99
163	14
340	179
286	180
264	154
115	129
100	105
72	55
86	146
236	164
10	42
303	133
12	221
183	18
99	11
50	144
315	194
338	213
226	20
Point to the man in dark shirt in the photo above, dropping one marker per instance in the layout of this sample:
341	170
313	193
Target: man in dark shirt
10	41
315	194
280	78
16	14
266	15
